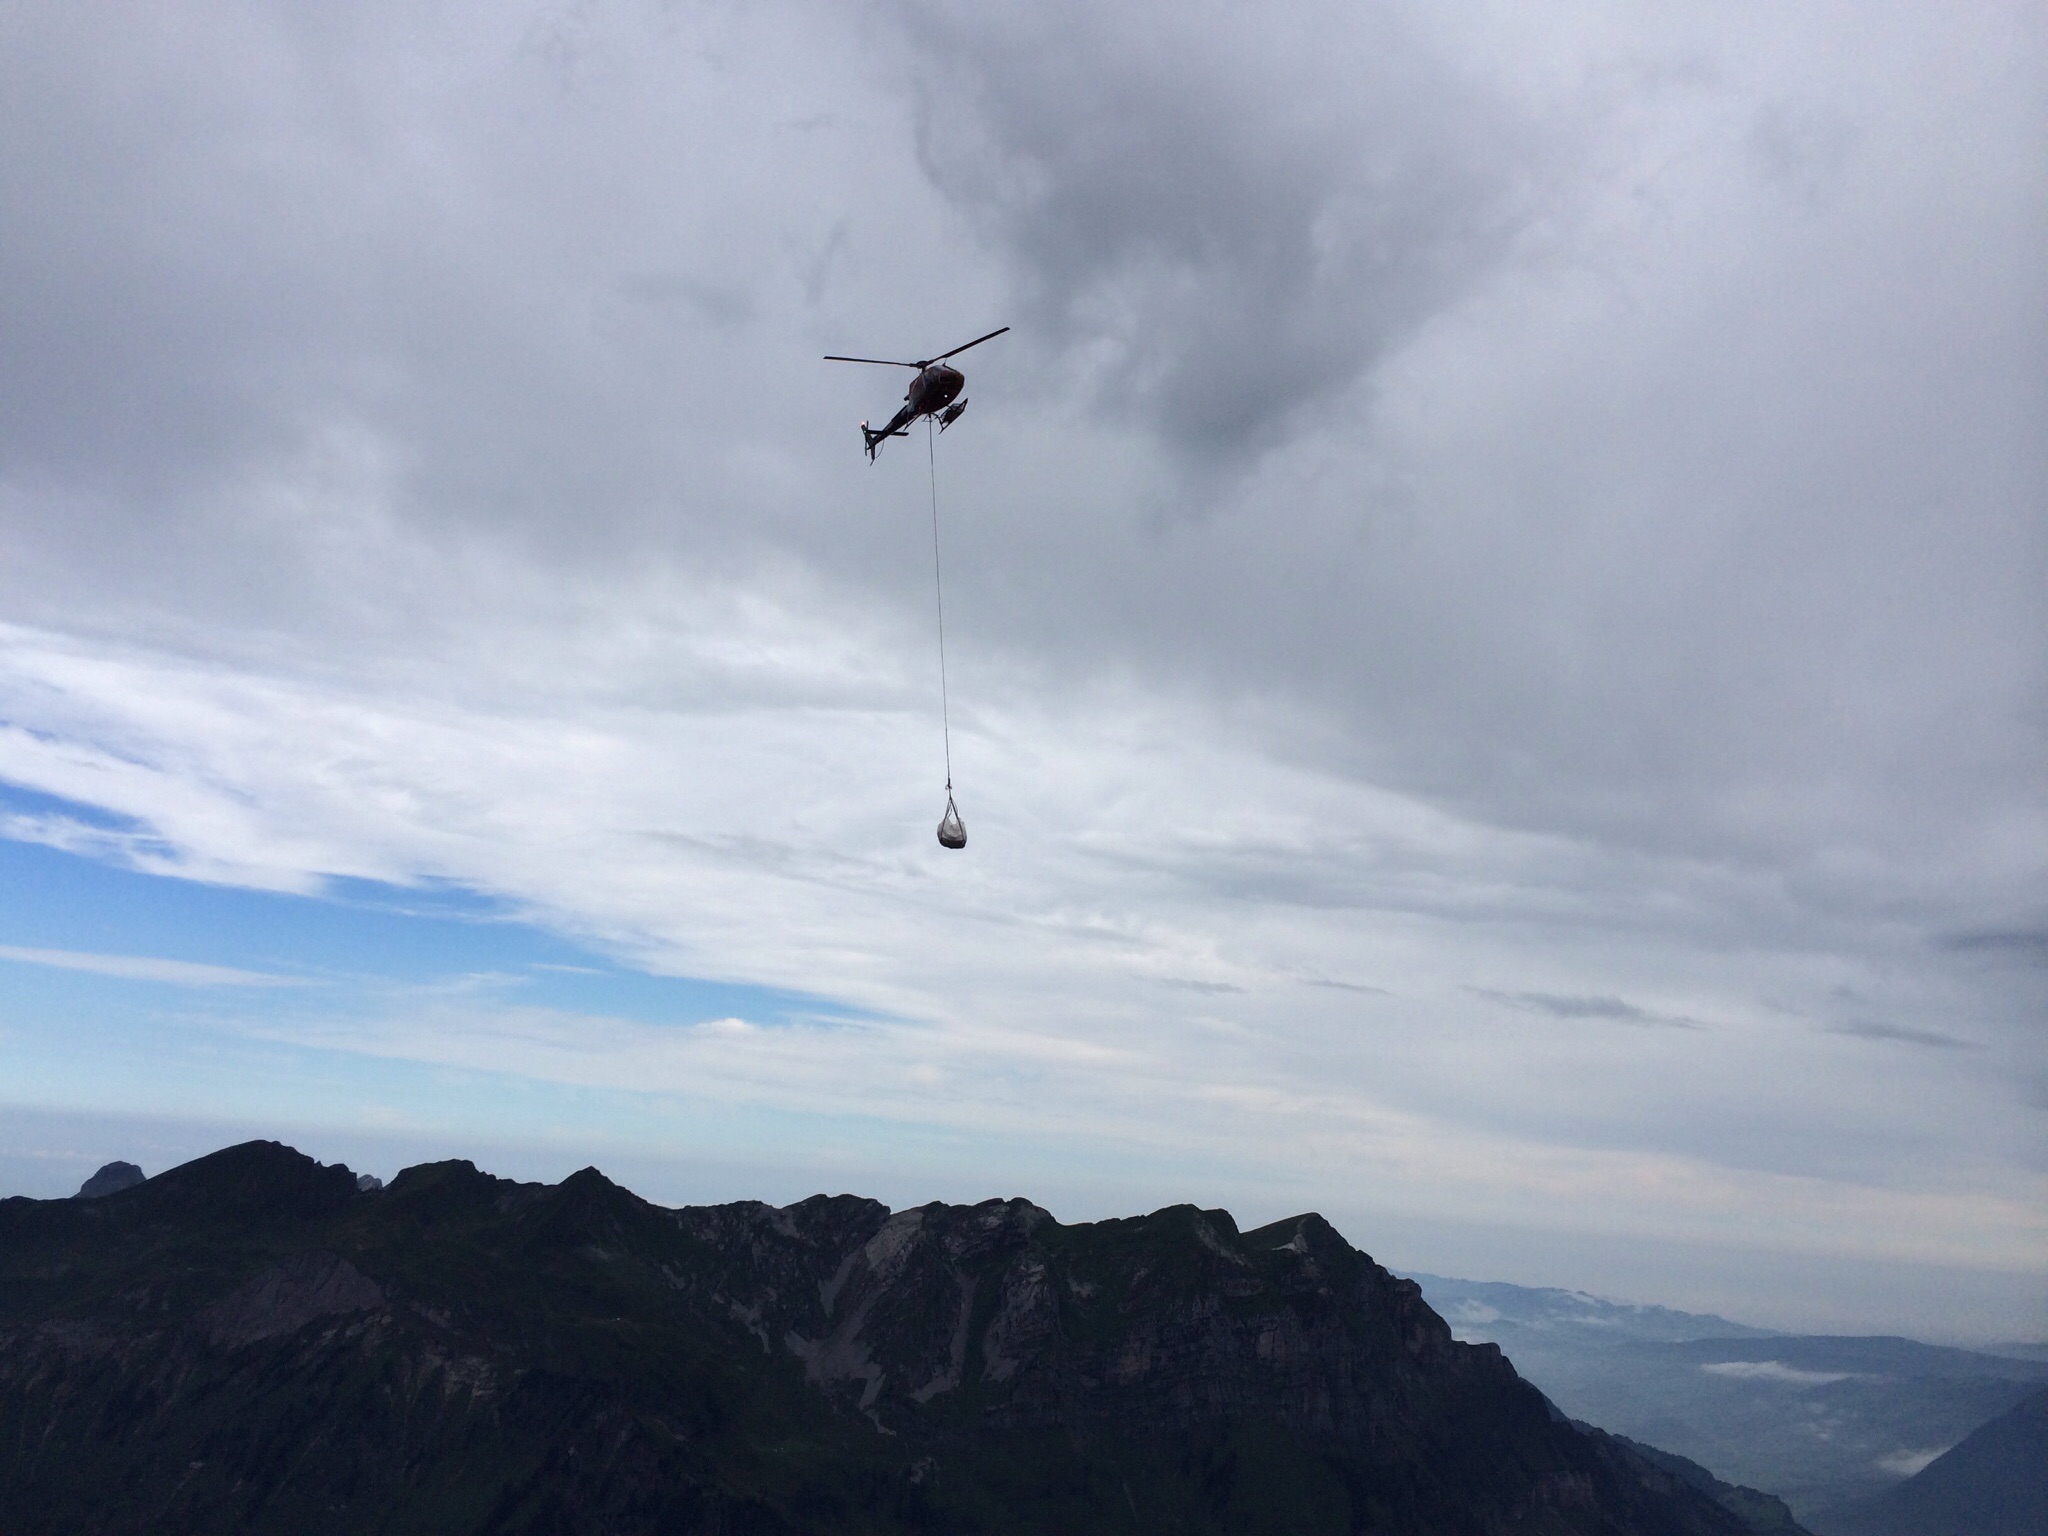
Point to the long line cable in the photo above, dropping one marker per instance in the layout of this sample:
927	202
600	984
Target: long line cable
939	588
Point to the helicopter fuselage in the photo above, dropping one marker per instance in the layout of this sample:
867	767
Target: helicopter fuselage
934	389
930	393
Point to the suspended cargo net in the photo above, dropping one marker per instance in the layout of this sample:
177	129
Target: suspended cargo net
952	831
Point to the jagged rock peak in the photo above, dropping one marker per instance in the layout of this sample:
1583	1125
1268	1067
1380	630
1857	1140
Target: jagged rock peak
256	1178
110	1180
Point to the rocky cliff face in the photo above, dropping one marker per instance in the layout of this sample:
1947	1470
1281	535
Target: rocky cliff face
252	1343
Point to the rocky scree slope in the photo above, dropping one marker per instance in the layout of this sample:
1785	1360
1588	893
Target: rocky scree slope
250	1343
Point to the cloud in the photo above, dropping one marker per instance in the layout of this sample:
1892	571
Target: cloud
2026	946
1586	1008
1905	1463
1233	224
1875	1029
177	973
1466	499
1774	1370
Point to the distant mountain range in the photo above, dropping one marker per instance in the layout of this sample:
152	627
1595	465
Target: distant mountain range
2020	1351
1478	1308
1821	1421
257	1343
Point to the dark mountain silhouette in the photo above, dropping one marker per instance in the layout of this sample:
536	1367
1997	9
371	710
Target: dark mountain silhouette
110	1180
250	1342
1994	1483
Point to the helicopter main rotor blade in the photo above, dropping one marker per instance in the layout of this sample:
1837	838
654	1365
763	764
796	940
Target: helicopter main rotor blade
991	336
881	362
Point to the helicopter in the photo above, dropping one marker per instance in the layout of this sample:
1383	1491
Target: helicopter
931	393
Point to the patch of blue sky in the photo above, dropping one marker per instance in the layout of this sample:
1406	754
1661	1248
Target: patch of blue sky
33	816
18	801
355	939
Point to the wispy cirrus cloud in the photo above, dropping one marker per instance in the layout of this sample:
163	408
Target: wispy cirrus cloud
177	973
1905	1034
1560	1006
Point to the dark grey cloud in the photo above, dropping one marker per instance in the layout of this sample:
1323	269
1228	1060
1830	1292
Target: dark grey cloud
1228	223
1559	1006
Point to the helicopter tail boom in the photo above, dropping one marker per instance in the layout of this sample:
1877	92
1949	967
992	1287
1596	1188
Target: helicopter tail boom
876	437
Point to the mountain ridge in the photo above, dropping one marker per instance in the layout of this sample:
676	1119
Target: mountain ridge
1470	1306
252	1342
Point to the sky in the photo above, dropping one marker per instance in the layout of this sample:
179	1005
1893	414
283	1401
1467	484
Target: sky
1496	602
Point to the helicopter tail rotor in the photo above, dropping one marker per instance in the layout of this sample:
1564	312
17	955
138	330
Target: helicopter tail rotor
876	436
